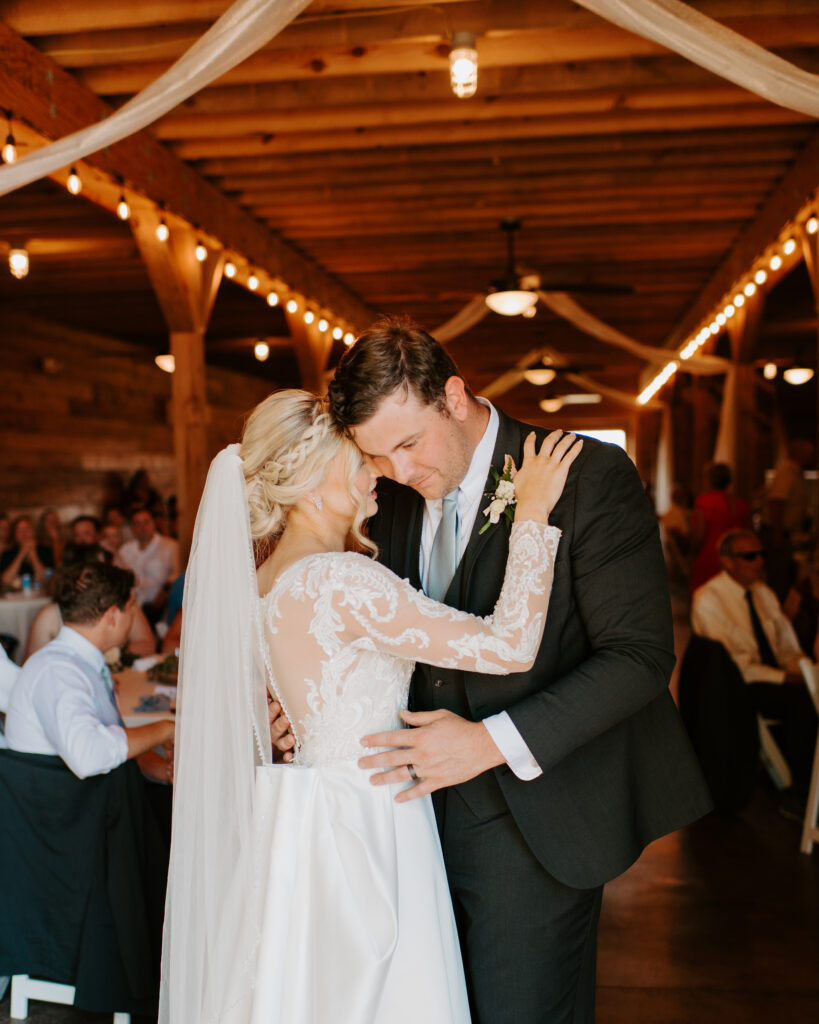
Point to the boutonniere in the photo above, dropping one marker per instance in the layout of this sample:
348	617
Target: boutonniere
502	500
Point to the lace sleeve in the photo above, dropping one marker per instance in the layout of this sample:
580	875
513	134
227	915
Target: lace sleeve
379	611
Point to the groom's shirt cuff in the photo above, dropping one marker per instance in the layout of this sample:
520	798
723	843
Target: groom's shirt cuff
511	744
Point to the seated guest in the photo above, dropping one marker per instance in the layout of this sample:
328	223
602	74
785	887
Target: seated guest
153	559
8	676
25	557
48	621
715	512
111	538
737	609
63	700
50	534
85	530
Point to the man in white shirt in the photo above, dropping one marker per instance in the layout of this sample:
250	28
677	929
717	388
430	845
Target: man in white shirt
737	609
63	700
153	559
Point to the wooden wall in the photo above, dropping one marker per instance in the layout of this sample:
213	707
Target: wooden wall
79	413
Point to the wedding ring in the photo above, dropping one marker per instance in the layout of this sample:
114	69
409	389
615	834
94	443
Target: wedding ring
413	775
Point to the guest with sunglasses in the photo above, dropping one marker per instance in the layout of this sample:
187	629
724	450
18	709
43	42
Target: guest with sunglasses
740	611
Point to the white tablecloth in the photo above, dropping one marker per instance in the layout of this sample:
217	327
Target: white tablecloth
16	617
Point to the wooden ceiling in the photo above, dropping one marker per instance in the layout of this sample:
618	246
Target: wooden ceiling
628	166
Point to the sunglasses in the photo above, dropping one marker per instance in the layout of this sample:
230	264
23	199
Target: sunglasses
748	556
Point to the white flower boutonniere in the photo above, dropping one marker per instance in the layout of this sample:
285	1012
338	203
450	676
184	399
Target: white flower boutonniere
502	499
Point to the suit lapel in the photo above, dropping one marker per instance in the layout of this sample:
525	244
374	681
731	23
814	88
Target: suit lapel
405	535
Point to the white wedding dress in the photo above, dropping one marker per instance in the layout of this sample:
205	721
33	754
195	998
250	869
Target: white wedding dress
356	920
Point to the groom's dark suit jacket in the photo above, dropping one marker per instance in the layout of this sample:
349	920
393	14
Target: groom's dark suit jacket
618	770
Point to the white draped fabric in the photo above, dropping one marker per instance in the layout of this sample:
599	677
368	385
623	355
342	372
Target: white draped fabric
706	42
472	313
725	448
664	471
242	29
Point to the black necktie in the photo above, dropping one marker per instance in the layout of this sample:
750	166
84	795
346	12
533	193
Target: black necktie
766	654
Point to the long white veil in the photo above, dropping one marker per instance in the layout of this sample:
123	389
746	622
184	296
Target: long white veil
222	735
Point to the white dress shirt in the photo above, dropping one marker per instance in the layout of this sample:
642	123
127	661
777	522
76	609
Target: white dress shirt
153	566
719	611
61	704
471	500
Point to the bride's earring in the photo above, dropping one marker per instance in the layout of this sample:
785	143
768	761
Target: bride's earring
316	499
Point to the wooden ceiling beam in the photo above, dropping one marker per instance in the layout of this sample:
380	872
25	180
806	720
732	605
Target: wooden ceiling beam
786	200
395	55
54	104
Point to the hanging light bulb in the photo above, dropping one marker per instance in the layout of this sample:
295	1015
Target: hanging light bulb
789	246
261	350
200	252
123	209
463	65
760	277
273	299
338	333
309	316
739	300
74	183
323	325
230	270
721	318
163	232
18	263
769	371
10	145
292	306
812	226
253	282
749	289
729	311
529	312
166	362
349	338
776	262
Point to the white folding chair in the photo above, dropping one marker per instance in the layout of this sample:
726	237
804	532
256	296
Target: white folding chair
772	757
810	829
24	988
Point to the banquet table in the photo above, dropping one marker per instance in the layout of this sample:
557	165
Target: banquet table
16	616
142	700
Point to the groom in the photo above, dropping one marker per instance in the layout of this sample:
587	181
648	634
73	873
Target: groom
550	782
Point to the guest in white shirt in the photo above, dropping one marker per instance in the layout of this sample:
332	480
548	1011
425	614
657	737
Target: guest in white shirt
153	559
8	676
63	700
744	615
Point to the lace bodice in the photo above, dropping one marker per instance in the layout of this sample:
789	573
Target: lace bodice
343	634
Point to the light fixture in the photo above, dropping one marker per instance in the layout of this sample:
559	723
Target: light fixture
349	338
539	375
123	209
651	389
338	333
230	270
292	306
760	277
529	312
506	296
74	183
273	299
261	350
776	262
309	316
200	252
323	325
729	310
749	289
714	328
10	145
812	226
798	374
739	300
690	349
463	65
789	247
769	371
166	362
163	232
721	318
18	263
253	282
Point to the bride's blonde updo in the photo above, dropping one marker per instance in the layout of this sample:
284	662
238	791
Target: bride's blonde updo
288	444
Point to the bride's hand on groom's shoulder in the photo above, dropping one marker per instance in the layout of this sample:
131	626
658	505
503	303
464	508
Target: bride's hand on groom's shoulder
540	480
281	736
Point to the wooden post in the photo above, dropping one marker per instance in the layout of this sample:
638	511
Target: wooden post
810	248
186	290
743	329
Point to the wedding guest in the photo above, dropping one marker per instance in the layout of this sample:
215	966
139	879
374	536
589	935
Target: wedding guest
25	556
785	517
139	493
85	529
715	512
111	538
802	608
737	609
48	622
153	559
63	700
50	534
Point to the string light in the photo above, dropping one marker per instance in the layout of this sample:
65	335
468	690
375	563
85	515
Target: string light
463	65
273	299
776	262
309	316
729	310
789	247
662	378
200	252
230	270
349	338
721	318
812	226
760	277
769	371
74	183
163	232
739	300
19	263
292	306
323	325
261	350
10	145
253	282
338	333
749	289
123	209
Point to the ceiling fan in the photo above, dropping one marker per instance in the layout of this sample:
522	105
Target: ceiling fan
515	293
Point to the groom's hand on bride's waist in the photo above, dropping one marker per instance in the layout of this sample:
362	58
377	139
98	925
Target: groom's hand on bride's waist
281	735
442	749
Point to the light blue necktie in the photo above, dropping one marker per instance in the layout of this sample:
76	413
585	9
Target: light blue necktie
443	558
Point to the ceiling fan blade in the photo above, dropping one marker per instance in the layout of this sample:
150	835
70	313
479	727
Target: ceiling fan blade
588	288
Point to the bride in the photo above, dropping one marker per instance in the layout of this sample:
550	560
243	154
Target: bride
301	893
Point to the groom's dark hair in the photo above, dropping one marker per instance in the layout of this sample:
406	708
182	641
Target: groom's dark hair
394	354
